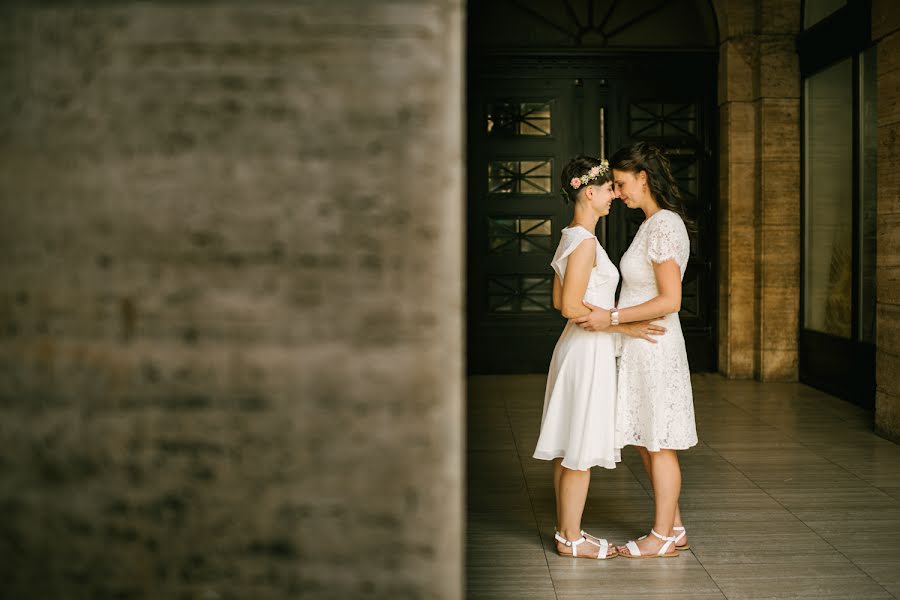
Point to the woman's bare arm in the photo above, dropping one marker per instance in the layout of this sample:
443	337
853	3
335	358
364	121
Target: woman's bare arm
668	282
578	272
557	291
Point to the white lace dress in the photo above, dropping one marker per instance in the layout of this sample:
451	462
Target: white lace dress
655	405
578	420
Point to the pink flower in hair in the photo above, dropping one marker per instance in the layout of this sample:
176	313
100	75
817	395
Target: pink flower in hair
575	183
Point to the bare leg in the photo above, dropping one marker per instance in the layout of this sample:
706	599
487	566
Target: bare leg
573	489
645	456
665	474
557	474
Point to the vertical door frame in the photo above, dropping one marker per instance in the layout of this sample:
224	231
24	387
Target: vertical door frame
840	366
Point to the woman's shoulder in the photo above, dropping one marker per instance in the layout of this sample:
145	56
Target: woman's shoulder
574	235
577	231
667	220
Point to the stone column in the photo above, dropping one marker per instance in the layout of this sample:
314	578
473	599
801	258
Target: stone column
759	193
231	303
886	34
777	104
738	180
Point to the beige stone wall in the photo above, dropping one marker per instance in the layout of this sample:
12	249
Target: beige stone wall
759	193
223	372
886	33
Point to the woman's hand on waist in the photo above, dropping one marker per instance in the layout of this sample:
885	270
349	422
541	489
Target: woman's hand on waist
596	320
645	330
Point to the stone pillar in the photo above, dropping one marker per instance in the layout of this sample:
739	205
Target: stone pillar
738	179
231	304
759	193
886	34
777	104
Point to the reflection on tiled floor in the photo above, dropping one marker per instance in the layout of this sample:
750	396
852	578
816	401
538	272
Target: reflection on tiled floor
788	495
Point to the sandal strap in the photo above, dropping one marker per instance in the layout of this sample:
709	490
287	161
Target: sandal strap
603	545
663	537
572	543
562	539
668	539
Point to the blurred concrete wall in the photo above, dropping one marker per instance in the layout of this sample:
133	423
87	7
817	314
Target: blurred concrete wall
231	299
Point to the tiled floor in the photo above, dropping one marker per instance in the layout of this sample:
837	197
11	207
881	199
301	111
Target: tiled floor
788	495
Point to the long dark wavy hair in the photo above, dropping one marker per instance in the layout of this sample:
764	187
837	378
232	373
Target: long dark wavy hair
650	159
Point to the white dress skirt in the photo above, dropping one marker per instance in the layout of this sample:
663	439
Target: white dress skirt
655	403
578	420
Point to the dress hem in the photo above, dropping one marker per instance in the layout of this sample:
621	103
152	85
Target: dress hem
597	462
657	447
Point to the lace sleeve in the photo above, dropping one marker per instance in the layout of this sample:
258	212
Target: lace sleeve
668	239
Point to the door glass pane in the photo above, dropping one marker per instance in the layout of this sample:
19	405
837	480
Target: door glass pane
520	294
828	201
512	235
519	118
657	120
816	10
868	154
519	176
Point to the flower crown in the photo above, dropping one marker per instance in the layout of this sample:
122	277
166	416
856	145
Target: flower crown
594	173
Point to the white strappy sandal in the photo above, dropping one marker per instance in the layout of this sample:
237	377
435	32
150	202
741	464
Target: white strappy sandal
677	538
585	534
601	555
635	552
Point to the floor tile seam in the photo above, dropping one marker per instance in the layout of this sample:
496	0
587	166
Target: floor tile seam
793	439
512	434
813	531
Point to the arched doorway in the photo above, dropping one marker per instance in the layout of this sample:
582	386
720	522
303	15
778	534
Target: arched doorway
549	80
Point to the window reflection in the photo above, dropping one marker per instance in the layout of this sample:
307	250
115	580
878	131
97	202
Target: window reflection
829	200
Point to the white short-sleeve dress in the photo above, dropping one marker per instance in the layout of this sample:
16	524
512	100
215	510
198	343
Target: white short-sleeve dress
655	403
578	421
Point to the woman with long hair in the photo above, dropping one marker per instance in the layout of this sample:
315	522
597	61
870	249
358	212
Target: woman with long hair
655	407
578	420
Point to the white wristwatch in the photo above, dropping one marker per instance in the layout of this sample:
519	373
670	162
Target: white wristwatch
614	316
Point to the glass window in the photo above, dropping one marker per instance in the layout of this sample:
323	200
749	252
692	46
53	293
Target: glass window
828	203
520	294
816	10
512	235
654	120
868	186
519	176
519	118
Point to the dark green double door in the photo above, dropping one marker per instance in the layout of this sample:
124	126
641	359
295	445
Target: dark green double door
526	118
